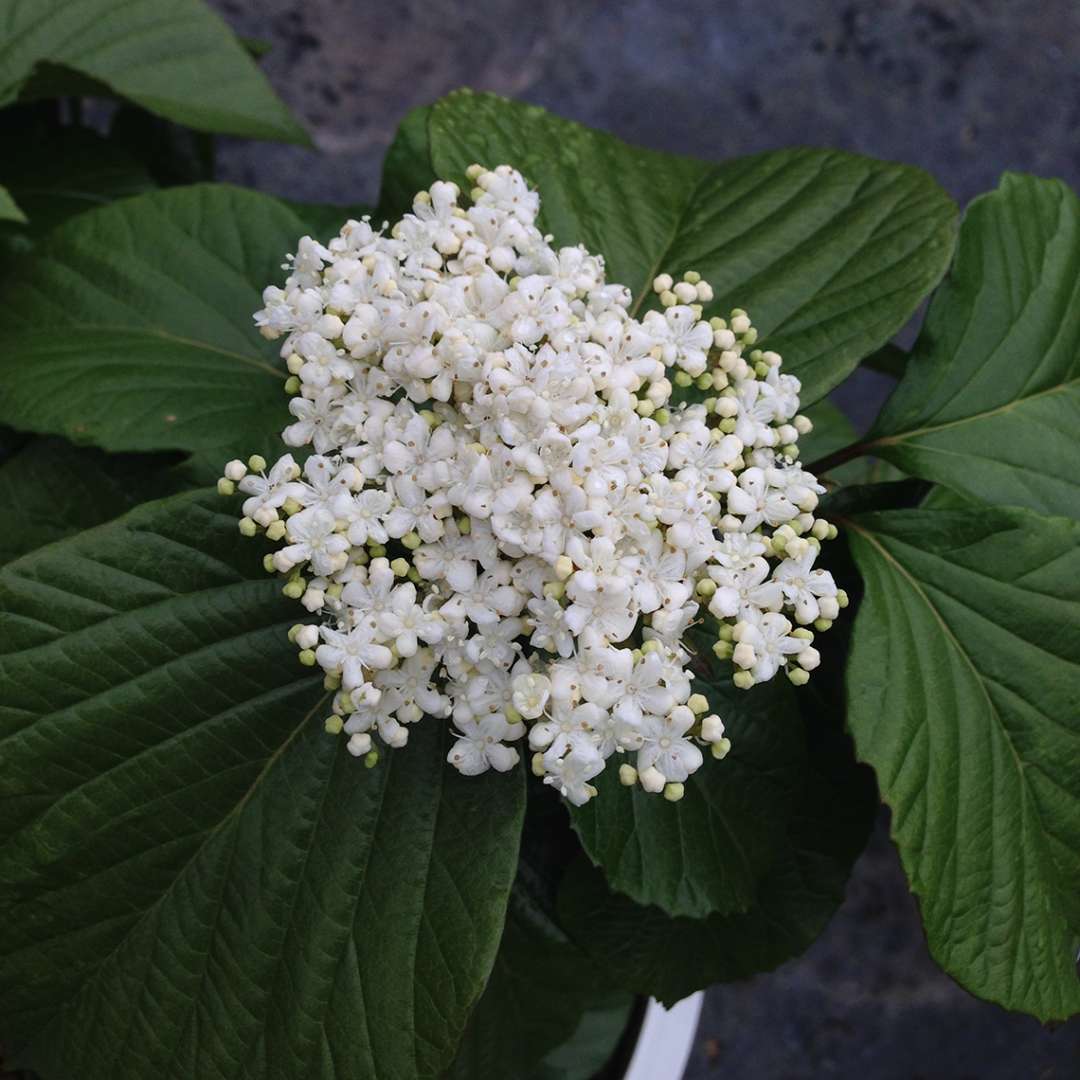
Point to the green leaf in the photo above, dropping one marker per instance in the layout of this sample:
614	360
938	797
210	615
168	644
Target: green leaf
890	360
130	326
829	252
539	989
174	57
9	208
407	168
196	880
832	431
707	852
59	490
964	695
63	172
990	402
647	951
593	1042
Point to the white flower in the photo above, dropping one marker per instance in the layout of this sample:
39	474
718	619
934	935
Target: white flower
664	746
802	586
570	775
508	521
480	746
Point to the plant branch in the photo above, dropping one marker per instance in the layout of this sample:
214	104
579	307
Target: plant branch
839	457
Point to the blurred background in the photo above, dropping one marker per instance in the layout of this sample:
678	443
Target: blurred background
964	88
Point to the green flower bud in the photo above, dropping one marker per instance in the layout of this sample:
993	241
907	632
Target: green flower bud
247	527
292	385
674	792
332	725
555	590
225	486
722	650
275	530
257	463
721	748
743	680
822	624
371	759
798	676
294	590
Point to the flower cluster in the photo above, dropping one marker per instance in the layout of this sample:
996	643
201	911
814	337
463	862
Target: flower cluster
505	520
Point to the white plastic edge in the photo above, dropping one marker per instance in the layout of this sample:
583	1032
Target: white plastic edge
666	1039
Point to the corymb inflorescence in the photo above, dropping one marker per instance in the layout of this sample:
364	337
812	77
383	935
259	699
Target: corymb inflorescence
519	496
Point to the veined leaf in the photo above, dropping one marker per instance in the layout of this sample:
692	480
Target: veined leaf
174	57
647	951
990	400
964	694
56	490
130	326
829	252
708	852
196	880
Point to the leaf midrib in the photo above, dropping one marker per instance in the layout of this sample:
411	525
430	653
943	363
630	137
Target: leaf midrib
156	332
271	761
891	440
1029	799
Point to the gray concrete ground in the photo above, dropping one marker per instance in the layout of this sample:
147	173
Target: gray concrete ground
965	88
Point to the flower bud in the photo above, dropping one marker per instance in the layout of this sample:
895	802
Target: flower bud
359	744
652	780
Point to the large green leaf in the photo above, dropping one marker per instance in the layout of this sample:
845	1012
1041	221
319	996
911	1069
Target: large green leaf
407	167
708	852
964	694
56	490
829	252
174	57
196	880
645	950
594	1042
130	327
990	400
537	994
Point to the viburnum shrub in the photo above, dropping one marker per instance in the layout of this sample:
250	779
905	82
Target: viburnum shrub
530	498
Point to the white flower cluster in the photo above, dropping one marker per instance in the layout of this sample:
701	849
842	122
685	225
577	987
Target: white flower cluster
504	520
